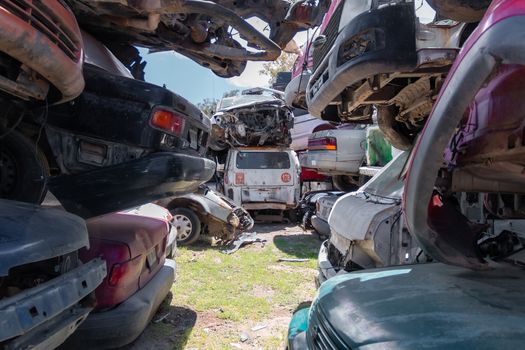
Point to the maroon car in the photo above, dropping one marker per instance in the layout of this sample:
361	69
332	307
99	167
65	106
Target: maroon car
133	244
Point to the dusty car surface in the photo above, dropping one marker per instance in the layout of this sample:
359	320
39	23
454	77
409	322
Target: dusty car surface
376	54
206	212
45	290
367	227
339	153
123	142
201	30
255	118
139	277
413	306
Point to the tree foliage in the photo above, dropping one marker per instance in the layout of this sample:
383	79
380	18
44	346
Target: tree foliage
209	105
282	64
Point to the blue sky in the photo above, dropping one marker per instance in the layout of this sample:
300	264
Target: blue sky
185	77
194	82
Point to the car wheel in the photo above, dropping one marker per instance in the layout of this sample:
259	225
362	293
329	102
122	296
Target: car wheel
460	10
187	224
23	169
346	183
292	216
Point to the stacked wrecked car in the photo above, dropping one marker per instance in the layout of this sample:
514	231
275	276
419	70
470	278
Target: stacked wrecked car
79	120
461	206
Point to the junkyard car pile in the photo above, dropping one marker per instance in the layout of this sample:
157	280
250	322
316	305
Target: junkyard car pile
77	119
429	252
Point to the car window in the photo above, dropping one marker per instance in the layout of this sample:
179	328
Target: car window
97	54
263	160
388	182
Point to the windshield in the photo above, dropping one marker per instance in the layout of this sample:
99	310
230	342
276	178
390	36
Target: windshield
387	183
263	160
97	54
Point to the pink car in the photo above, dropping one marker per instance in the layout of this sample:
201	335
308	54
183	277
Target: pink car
133	243
474	142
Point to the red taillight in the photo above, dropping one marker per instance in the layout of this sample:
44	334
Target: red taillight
286	177
125	273
239	178
324	143
168	121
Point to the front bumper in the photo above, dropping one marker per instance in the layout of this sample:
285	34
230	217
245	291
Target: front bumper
324	266
45	37
297	330
34	310
391	30
123	324
320	225
129	184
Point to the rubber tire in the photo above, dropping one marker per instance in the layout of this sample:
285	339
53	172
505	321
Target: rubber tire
342	183
460	10
292	216
31	168
195	225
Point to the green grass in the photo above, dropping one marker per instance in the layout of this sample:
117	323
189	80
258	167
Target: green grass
246	287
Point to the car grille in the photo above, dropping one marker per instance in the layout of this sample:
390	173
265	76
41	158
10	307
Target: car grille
320	334
42	17
330	31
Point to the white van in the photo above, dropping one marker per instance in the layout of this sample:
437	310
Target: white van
261	178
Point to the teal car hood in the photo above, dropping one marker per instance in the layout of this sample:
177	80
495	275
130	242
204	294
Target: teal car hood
427	306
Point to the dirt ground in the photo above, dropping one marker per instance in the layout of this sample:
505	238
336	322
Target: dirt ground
180	326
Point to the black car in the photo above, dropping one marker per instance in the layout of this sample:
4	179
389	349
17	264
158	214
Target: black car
121	143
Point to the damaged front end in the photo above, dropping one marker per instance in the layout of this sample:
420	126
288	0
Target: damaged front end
45	291
201	30
251	120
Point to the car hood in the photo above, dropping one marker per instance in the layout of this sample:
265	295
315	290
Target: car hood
32	233
433	304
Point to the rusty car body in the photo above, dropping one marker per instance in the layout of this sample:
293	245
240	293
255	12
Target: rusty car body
200	30
206	212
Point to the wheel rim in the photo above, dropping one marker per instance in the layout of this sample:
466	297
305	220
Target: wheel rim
8	171
183	226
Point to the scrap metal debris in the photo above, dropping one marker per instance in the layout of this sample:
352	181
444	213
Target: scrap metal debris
243	239
259	327
291	260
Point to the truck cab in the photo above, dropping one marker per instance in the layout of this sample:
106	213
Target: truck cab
260	178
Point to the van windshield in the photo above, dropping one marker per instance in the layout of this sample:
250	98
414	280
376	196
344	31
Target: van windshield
263	160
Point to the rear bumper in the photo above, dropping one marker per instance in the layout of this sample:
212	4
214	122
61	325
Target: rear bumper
320	225
326	162
35	309
123	324
20	39
294	93
392	31
129	184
